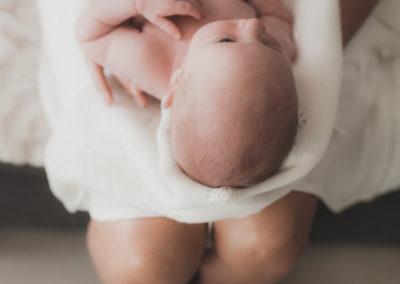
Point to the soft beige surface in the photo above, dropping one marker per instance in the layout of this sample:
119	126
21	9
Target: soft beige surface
41	257
348	264
23	126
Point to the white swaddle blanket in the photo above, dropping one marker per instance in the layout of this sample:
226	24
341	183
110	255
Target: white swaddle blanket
363	158
107	160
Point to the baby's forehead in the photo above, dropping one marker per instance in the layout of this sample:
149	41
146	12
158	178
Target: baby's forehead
238	57
221	24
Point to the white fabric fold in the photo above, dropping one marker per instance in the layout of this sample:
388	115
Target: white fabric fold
114	161
97	149
317	60
363	158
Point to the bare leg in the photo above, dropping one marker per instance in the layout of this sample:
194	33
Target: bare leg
263	247
146	250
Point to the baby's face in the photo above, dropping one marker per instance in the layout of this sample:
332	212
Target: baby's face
242	32
221	36
223	53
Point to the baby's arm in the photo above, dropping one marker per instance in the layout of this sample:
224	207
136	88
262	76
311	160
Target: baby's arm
277	21
108	41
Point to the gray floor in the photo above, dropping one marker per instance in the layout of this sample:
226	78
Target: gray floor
44	256
348	264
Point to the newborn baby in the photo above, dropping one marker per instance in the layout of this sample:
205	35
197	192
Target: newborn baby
226	73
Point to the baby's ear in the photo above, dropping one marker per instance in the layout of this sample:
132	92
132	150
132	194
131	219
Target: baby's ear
168	98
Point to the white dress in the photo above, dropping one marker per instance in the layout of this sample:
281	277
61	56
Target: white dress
363	158
112	161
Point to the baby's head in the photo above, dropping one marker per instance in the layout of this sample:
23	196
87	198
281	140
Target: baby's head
234	110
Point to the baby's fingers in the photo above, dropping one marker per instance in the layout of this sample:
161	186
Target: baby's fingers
139	96
100	80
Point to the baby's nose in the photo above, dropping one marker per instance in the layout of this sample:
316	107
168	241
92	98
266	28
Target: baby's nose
252	28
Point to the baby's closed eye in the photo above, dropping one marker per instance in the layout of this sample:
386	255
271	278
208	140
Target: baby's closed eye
226	39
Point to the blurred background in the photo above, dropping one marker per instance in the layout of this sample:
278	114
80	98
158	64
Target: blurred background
41	243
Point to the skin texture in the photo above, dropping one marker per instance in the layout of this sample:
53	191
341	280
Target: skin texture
240	156
266	244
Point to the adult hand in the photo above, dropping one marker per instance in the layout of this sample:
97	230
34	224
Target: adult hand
157	11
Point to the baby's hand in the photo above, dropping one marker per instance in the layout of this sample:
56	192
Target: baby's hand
100	82
156	11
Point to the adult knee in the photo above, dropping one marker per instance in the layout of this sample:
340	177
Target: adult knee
122	255
136	268
266	245
262	259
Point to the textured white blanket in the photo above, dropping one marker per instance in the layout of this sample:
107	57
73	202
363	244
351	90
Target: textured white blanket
363	158
99	153
104	160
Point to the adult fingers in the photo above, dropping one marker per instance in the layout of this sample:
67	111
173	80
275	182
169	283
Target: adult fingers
186	8
167	26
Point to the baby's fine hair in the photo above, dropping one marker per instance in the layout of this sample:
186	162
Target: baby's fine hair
241	141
